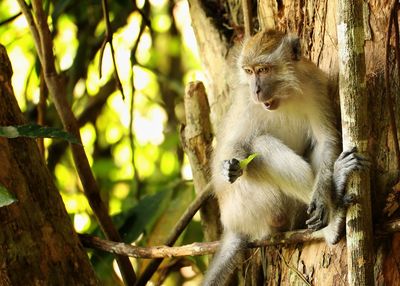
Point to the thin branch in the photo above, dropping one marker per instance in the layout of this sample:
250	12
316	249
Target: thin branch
193	249
132	108
26	10
12	18
108	39
41	111
142	13
179	227
205	248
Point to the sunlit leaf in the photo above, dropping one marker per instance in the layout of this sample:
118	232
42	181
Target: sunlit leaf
36	131
6	198
243	163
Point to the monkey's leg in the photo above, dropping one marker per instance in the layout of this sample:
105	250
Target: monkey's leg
225	261
278	163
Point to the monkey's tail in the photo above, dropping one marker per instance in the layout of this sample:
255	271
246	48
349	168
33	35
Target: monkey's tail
226	260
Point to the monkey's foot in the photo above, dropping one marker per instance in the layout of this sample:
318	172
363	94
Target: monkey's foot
348	162
319	214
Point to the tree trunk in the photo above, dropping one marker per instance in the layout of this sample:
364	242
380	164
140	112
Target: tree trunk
217	26
38	243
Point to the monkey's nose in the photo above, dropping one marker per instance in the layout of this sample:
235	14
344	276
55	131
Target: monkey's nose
258	93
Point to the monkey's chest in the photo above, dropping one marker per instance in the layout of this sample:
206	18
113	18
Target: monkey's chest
294	133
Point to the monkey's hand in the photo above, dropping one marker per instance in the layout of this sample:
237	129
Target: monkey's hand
231	170
318	210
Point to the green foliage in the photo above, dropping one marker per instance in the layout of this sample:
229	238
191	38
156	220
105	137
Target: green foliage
36	131
6	198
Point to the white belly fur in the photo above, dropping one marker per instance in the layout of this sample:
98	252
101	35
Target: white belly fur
246	208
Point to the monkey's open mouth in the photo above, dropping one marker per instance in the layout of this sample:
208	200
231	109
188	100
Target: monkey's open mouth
271	104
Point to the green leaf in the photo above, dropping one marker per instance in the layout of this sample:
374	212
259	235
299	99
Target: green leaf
243	163
6	198
36	131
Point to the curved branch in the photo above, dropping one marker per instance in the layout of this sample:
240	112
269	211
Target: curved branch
108	39
197	248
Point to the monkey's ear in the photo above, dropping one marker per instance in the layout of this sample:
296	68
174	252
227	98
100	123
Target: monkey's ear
295	47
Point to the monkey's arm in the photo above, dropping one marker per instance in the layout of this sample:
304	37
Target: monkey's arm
277	164
324	196
325	151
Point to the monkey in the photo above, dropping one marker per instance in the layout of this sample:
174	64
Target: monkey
281	111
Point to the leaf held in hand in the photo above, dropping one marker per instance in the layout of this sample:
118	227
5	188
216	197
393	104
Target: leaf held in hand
6	198
243	163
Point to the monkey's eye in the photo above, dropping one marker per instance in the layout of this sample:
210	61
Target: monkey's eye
264	70
248	71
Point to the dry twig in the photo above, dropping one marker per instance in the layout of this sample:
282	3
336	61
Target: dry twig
108	39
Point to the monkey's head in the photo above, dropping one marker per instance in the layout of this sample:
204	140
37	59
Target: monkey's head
266	63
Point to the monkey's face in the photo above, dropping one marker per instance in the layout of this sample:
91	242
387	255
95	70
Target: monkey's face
267	63
263	85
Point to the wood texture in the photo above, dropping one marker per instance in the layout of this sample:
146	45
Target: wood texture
353	102
196	138
38	243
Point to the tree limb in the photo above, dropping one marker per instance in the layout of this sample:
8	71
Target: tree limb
204	248
108	39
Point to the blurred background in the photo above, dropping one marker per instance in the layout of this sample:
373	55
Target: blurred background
132	142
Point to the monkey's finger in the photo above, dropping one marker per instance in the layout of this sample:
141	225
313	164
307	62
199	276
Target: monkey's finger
318	215
349	199
363	160
317	226
311	208
233	177
318	221
346	153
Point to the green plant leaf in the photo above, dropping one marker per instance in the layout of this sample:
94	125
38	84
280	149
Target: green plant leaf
6	198
36	131
243	163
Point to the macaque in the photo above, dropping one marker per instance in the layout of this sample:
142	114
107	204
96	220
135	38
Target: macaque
281	111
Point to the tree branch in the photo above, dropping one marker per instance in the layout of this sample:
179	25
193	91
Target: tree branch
179	227
205	248
12	18
108	39
355	132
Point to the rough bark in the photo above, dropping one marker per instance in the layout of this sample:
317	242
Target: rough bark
355	130
38	243
196	139
315	22
214	51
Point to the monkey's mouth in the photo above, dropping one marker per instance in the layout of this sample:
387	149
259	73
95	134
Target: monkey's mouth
271	104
